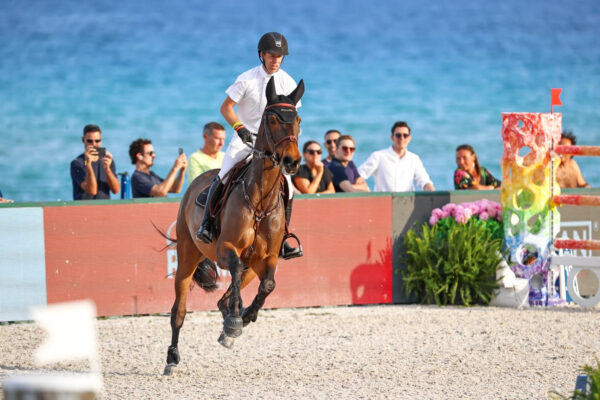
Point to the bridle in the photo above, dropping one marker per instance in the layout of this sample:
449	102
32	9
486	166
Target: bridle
270	153
270	150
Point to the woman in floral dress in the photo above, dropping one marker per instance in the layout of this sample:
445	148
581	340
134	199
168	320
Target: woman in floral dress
469	174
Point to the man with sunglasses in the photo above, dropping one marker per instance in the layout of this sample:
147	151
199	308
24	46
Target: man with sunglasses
93	172
345	175
145	183
331	136
247	93
396	169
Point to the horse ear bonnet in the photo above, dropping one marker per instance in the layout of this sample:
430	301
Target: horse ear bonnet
285	115
297	94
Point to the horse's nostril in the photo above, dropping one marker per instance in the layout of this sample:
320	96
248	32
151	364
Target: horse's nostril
287	160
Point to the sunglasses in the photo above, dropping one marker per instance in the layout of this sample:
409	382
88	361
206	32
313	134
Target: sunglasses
93	140
330	141
313	152
402	135
348	149
150	153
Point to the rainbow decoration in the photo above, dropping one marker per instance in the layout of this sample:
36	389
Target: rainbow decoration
528	185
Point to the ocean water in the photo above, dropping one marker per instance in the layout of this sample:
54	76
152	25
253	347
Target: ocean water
159	70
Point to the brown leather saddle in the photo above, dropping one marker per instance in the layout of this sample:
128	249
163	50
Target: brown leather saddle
234	176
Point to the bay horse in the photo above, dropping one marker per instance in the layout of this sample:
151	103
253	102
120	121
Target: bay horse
252	225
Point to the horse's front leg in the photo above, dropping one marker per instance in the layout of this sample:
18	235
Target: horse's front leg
267	285
223	303
232	324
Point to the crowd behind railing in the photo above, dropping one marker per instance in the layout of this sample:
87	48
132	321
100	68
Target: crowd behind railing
395	169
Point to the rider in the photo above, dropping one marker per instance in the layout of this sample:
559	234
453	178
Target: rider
248	93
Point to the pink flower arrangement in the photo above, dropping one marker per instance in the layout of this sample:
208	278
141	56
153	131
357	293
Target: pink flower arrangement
483	209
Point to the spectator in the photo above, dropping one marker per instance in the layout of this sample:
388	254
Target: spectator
469	174
395	168
3	200
210	156
568	174
345	175
313	176
145	183
331	136
92	178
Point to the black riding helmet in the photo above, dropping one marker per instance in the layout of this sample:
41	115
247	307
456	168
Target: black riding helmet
274	43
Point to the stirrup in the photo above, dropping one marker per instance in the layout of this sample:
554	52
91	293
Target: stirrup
288	252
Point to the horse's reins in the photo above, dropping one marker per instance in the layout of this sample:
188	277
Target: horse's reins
270	152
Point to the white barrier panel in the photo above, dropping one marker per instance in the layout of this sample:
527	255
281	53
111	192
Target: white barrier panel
22	262
580	264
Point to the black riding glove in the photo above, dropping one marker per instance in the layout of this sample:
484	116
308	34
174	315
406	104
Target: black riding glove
245	135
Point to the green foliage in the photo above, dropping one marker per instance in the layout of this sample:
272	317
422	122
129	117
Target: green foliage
593	375
453	263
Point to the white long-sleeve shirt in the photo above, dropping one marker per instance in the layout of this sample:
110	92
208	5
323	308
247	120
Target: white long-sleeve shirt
395	174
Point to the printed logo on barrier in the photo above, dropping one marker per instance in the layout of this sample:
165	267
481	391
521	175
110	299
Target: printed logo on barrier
171	252
172	260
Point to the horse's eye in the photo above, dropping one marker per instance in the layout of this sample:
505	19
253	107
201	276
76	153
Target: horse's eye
272	120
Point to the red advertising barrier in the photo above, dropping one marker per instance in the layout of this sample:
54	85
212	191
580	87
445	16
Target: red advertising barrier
112	254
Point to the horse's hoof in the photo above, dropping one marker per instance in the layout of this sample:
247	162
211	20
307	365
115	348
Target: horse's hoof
232	326
226	341
169	369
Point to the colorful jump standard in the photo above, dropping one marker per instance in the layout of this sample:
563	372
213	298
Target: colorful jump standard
529	197
528	185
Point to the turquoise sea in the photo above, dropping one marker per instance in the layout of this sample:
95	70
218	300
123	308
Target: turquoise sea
159	70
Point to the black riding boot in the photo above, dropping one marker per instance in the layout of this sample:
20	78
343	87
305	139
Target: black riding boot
288	251
204	233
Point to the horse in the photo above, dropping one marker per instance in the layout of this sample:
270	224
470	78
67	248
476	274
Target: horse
252	225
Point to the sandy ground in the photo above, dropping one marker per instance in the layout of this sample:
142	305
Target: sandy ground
395	352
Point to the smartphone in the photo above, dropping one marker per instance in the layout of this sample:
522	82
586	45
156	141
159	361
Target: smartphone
180	150
101	151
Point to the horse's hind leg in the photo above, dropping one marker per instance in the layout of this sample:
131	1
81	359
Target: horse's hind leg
267	284
188	258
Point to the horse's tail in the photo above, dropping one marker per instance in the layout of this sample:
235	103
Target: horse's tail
163	234
206	275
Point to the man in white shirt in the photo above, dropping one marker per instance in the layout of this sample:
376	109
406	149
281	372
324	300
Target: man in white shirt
248	94
396	169
210	155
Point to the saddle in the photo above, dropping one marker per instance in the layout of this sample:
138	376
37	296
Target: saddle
219	199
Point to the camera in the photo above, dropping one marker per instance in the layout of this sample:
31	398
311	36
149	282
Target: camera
180	150
101	151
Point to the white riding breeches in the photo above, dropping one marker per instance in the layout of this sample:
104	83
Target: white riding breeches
236	152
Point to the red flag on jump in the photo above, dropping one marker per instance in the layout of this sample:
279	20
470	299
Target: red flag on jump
555	101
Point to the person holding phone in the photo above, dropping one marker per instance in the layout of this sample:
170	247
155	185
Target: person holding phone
93	173
145	183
